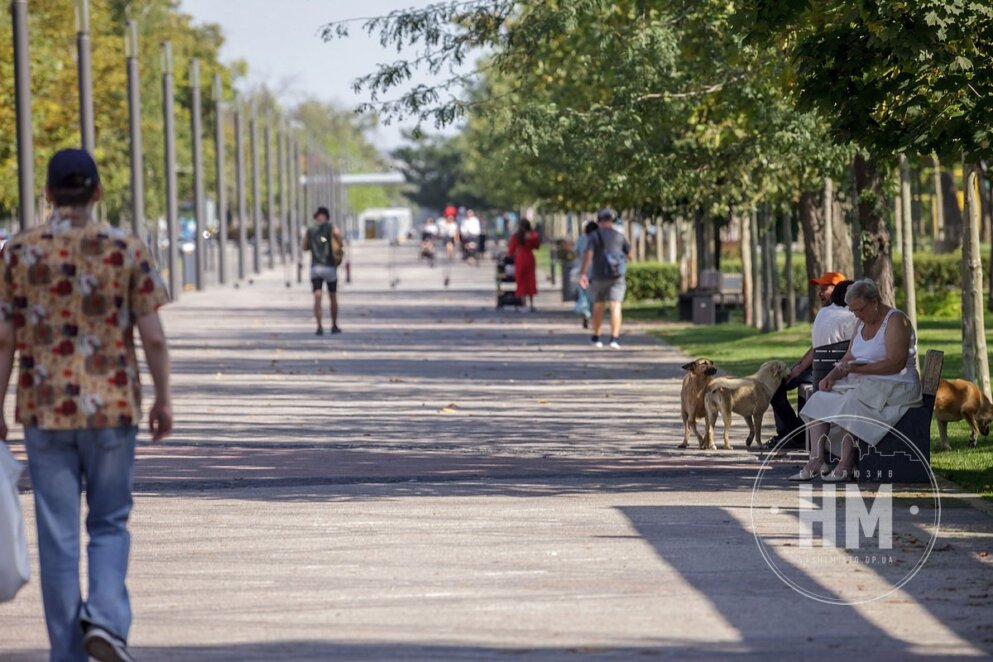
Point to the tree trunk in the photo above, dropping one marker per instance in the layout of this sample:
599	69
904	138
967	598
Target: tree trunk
877	262
747	284
671	243
815	246
828	227
758	273
938	206
658	240
951	212
898	219
856	221
975	362
909	286
788	248
771	289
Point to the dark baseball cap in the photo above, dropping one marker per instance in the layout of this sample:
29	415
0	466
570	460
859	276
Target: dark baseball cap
322	210
72	169
606	214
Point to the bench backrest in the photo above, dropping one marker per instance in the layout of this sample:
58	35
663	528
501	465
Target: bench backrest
934	360
825	357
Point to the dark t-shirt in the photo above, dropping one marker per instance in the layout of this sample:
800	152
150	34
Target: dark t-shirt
606	240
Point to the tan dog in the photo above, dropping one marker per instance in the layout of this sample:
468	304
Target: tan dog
747	396
699	373
959	399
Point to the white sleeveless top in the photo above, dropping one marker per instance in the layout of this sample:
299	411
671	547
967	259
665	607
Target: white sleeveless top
875	350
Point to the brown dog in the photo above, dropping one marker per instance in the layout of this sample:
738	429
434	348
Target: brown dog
747	396
698	375
959	399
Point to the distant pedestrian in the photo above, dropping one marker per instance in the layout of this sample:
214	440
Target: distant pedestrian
469	231
583	304
449	230
72	292
607	254
327	251
522	246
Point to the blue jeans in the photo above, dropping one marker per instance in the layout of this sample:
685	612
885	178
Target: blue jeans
59	462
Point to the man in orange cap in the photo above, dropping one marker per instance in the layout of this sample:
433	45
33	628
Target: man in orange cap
833	323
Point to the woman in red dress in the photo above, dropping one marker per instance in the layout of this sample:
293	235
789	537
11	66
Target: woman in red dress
521	248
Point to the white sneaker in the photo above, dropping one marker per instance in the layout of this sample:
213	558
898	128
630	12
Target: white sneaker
597	343
102	645
614	344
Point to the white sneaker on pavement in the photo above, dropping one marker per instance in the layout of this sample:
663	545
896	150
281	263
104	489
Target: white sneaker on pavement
105	647
614	344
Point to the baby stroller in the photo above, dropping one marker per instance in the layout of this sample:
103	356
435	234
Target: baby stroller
506	284
427	248
470	249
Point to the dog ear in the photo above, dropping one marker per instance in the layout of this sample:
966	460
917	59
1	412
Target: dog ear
689	366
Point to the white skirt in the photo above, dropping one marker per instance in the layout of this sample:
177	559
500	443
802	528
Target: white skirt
875	405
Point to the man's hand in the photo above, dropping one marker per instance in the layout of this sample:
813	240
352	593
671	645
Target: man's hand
160	421
584	281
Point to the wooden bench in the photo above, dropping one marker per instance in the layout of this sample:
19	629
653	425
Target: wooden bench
891	461
711	302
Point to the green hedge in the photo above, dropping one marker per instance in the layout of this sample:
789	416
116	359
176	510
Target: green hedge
938	279
652	281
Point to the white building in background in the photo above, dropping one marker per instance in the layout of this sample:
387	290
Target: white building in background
391	223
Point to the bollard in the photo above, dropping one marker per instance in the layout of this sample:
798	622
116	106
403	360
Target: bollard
25	140
134	126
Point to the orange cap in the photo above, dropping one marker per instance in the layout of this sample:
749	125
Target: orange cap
828	278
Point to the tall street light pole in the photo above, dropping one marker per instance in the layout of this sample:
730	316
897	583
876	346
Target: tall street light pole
222	194
270	191
22	95
239	178
85	71
198	193
284	207
172	201
134	125
256	194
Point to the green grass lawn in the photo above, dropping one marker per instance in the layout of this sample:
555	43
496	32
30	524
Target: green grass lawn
740	349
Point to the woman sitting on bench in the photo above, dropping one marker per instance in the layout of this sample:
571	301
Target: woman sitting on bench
873	385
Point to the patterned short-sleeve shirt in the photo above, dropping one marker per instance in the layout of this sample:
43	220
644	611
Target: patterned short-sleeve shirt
72	294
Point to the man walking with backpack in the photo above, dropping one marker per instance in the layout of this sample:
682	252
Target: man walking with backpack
327	251
607	250
71	293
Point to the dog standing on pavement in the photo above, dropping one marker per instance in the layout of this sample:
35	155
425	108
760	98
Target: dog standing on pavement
959	399
698	375
747	396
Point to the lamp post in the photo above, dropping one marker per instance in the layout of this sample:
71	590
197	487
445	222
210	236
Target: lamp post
134	125
239	178
172	202
284	207
270	191
84	69
22	94
256	194
222	197
198	193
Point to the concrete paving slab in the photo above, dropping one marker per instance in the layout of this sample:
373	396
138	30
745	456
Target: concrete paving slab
319	502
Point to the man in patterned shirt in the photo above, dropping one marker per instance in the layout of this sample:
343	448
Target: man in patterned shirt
72	291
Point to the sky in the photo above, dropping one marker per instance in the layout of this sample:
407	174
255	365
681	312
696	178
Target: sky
280	40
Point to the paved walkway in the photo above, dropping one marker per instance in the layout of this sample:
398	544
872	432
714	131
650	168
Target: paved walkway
447	481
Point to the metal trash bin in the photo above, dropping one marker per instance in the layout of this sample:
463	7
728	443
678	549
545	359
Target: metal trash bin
704	309
189	269
570	284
